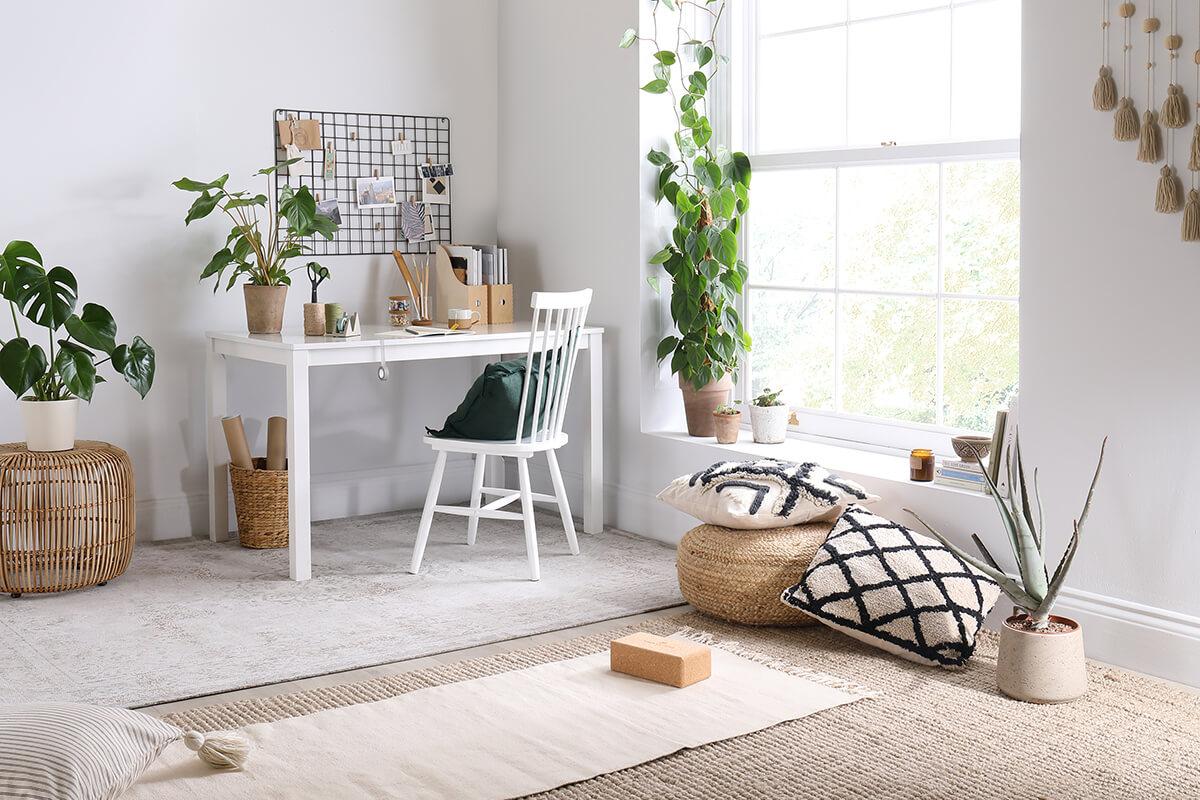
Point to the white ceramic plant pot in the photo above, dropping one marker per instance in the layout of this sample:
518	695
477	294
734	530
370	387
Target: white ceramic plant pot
769	423
1041	667
49	424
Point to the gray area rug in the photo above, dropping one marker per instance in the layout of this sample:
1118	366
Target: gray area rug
191	618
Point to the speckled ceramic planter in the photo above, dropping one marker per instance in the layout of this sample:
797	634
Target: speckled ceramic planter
264	308
1041	667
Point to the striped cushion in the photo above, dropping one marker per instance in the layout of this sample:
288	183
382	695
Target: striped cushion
77	752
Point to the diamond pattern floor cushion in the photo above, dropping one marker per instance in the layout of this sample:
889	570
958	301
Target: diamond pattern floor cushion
737	575
768	493
885	585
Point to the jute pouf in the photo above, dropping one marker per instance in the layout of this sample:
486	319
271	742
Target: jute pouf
738	575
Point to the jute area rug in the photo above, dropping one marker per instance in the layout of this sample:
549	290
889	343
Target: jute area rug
930	733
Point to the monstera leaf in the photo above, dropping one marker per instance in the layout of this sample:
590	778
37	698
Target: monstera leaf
75	366
47	298
136	362
95	327
21	365
16	255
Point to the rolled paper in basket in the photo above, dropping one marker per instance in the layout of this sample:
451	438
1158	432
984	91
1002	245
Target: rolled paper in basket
276	443
235	439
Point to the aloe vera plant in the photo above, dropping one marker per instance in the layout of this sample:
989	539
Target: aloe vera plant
1034	589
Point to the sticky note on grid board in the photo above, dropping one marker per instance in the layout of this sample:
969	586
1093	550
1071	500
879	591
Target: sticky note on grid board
674	662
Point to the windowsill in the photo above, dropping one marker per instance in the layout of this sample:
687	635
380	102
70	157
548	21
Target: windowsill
837	457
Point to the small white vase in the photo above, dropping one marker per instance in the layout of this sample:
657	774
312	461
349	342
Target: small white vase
769	423
49	424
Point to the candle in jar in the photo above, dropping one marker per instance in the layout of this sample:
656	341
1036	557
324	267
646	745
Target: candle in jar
920	465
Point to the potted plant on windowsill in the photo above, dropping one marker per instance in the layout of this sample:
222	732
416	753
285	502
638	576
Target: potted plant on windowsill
727	421
1041	656
256	250
768	417
58	377
708	189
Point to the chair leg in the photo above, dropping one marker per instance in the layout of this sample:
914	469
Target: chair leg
435	485
564	506
531	549
476	494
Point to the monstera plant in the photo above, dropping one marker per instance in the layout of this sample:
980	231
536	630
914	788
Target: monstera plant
707	187
50	382
258	249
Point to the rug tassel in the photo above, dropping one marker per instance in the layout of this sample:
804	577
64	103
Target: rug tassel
1191	218
1166	198
1125	122
1150	140
218	750
1175	107
1104	94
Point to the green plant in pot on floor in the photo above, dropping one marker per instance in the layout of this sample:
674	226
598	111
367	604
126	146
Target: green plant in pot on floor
50	382
707	188
1041	653
255	248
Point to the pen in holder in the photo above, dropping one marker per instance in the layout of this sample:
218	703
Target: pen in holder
417	280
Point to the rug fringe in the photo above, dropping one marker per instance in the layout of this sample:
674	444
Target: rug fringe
824	679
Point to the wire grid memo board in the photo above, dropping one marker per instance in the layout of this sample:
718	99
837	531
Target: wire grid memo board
364	148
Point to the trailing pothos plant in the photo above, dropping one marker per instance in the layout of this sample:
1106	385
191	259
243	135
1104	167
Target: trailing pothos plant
67	368
708	189
253	248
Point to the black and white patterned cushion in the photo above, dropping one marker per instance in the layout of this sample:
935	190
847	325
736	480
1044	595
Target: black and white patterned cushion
885	585
755	495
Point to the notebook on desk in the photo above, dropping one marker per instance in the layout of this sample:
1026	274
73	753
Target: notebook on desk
424	330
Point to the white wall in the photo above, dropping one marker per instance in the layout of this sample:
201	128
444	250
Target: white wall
107	103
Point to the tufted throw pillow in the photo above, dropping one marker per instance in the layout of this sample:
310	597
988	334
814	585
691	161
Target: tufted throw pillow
885	585
754	495
71	751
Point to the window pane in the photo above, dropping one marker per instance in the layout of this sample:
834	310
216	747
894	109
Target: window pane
899	80
979	359
987	71
982	227
801	100
790	15
889	356
793	346
889	227
792	226
860	9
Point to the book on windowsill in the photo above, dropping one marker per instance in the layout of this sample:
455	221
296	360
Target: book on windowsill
961	474
970	486
960	465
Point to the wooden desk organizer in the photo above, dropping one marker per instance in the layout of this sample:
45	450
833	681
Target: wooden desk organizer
494	303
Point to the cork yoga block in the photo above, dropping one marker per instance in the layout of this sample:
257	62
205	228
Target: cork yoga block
674	662
738	575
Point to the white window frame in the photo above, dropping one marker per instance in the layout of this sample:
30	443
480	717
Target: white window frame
741	87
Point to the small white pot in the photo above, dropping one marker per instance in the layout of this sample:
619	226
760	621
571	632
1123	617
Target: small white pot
1041	667
769	423
49	424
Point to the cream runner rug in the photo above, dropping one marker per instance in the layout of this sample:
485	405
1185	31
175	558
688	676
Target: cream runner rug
503	735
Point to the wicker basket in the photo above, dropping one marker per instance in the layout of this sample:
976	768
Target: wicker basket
738	575
66	518
260	498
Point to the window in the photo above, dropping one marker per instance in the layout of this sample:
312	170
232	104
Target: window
883	236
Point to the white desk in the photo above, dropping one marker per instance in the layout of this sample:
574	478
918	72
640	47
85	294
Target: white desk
298	354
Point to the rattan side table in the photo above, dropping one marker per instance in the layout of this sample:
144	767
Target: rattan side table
66	518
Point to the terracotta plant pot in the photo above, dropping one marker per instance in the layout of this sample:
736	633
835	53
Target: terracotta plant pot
727	427
264	308
769	423
699	404
49	424
1041	667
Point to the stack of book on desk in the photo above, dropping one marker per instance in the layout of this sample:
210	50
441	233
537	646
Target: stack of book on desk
961	475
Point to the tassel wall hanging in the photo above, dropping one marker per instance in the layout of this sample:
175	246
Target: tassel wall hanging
1190	229
1150	139
1104	94
1125	121
1175	106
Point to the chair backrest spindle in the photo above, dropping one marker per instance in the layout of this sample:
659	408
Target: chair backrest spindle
554	334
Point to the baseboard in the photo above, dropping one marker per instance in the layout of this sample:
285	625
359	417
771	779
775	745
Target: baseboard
1123	633
347	494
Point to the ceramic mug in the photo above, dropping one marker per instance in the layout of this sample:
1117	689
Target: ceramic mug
462	318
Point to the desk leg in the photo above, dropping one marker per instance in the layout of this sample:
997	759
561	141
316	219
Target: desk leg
216	403
299	501
593	451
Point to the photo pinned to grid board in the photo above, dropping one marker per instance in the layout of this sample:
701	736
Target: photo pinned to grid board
435	182
416	225
376	192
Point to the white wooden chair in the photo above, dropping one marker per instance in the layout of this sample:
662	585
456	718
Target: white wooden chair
554	337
